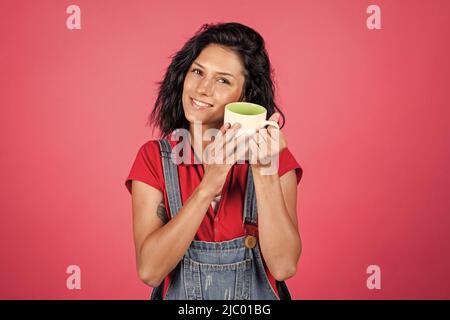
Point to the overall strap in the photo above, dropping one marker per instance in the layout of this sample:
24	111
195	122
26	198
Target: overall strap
250	210
173	195
170	177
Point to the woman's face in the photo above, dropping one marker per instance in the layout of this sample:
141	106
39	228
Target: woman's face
214	79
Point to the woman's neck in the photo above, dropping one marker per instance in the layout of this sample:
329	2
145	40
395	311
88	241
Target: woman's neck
199	144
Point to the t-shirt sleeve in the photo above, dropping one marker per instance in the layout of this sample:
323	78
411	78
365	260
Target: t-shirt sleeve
287	163
147	166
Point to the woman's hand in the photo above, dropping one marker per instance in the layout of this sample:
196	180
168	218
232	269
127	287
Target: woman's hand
219	157
269	143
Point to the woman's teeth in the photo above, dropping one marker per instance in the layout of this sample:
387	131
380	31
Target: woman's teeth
200	105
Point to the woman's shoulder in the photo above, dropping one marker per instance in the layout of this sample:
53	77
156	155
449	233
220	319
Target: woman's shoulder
147	154
154	143
146	167
150	147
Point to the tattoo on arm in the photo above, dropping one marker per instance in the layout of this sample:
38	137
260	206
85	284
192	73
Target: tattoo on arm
161	212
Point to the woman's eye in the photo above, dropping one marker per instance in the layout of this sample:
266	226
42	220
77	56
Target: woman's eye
199	72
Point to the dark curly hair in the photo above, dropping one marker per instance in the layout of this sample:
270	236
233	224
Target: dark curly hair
259	88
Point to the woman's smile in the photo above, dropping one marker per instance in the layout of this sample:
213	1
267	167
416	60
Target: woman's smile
200	105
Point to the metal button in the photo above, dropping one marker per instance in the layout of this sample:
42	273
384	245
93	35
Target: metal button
250	242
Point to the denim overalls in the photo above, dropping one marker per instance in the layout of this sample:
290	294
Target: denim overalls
228	270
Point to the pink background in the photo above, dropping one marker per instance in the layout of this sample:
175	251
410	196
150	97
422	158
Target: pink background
367	118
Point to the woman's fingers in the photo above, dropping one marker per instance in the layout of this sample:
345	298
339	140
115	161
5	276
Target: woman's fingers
229	134
260	147
224	141
228	145
240	148
218	138
266	145
212	149
224	134
225	127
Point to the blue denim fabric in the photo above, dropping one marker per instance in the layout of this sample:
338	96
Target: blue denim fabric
226	270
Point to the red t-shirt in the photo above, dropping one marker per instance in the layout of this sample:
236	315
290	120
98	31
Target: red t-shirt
224	225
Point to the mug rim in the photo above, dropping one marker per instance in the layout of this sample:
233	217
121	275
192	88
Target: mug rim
249	103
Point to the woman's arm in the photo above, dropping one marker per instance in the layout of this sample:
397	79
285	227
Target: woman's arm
159	246
279	238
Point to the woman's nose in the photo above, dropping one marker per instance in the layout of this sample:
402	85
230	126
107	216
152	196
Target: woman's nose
205	86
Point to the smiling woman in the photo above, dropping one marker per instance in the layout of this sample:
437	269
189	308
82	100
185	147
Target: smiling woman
222	230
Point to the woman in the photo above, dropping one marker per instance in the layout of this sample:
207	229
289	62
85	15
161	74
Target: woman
215	230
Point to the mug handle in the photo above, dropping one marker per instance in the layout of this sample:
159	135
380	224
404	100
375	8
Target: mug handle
272	123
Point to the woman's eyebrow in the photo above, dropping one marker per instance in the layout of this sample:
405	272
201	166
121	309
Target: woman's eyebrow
222	73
